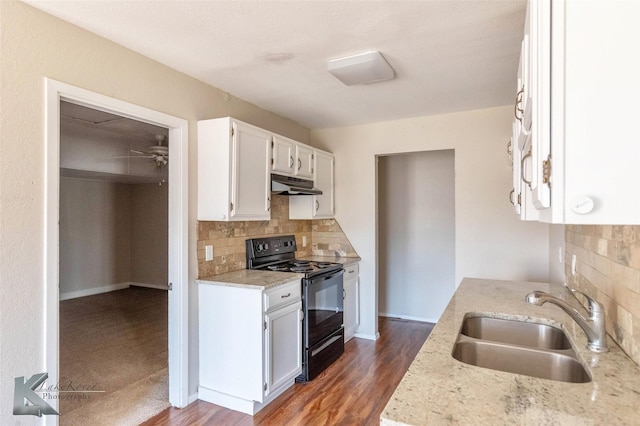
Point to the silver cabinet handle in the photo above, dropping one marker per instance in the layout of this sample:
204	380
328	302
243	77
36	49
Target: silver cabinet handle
291	161
517	108
299	164
522	173
513	191
317	205
284	296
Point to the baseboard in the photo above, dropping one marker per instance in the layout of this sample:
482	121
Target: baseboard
107	288
156	286
192	398
367	336
408	317
91	291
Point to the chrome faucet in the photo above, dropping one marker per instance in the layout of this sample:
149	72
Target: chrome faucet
593	326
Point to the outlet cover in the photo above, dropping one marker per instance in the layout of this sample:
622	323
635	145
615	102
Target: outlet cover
208	253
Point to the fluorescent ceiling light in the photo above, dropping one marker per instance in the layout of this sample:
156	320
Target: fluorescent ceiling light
363	68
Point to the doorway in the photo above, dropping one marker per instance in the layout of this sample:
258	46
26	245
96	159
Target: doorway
177	228
416	234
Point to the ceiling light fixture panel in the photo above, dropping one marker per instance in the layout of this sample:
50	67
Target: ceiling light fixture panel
363	68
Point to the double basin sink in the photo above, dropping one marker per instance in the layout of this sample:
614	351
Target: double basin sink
521	347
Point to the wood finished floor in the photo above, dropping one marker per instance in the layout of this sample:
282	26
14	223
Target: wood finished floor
352	391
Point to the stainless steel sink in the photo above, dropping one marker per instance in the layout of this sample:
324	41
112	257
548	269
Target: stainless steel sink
515	332
519	347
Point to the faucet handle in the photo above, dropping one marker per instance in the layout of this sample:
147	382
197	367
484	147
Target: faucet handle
595	307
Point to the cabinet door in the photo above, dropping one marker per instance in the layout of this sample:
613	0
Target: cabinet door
282	160
351	302
323	178
283	346
250	183
304	161
539	25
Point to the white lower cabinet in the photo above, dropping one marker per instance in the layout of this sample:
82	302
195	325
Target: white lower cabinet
250	343
283	343
351	301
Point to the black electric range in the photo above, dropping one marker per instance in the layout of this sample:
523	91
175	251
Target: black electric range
322	299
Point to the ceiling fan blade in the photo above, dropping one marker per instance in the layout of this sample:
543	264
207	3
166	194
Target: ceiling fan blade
135	151
135	156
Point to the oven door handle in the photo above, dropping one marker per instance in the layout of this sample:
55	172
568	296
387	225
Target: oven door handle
333	275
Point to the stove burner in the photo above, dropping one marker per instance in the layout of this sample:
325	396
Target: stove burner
279	268
299	262
324	264
305	268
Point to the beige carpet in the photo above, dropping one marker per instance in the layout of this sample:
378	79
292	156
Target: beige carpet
116	345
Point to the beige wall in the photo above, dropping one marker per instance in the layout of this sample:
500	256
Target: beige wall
33	46
491	242
111	234
608	268
94	235
149	234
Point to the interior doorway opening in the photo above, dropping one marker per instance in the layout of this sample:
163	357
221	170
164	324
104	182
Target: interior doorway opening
416	234
113	265
177	241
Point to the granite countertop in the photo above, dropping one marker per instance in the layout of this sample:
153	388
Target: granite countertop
346	261
248	278
263	280
437	389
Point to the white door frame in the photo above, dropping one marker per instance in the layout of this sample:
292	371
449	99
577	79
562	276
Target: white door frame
178	228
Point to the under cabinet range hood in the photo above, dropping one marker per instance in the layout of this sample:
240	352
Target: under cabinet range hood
289	185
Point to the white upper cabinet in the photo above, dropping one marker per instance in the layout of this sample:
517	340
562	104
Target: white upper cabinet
304	161
317	206
282	155
579	82
233	171
291	158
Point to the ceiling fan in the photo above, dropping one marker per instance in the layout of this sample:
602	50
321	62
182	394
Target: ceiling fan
159	153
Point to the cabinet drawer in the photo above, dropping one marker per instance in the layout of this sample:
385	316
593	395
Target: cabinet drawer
281	296
351	272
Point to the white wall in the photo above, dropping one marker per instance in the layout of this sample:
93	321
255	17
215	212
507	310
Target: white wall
416	234
34	46
490	241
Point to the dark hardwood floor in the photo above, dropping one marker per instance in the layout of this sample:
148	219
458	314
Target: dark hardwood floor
352	391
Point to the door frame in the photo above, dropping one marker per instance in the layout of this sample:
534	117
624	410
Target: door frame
178	267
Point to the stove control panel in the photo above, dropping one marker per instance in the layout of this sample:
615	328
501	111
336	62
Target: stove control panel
262	247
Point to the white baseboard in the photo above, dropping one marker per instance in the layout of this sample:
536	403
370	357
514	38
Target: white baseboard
156	286
408	317
91	291
107	288
192	398
367	336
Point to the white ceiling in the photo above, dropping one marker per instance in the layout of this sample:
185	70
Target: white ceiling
448	55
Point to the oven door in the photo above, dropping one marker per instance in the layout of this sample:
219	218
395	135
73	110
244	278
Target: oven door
323	300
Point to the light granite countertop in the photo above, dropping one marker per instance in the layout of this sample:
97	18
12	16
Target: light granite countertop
437	389
264	280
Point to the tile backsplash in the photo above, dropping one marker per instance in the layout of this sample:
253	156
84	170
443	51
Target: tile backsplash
608	268
324	238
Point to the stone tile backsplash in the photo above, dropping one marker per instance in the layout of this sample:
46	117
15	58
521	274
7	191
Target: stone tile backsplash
324	238
608	268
